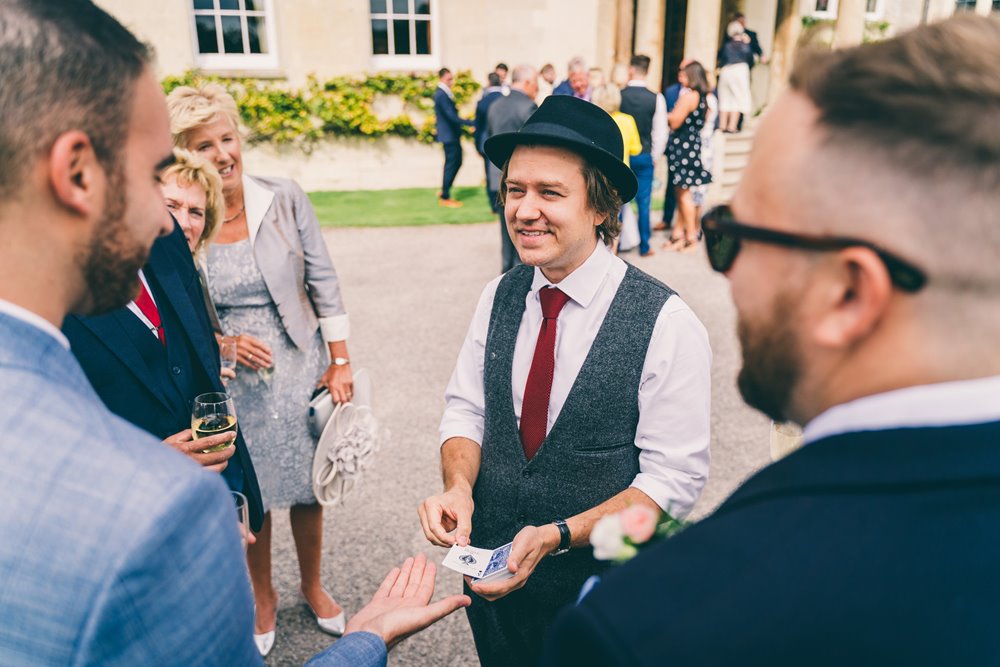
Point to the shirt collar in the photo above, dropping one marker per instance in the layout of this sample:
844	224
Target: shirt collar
446	89
940	404
581	286
637	83
35	320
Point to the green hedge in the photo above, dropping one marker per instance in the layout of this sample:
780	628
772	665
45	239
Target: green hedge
337	107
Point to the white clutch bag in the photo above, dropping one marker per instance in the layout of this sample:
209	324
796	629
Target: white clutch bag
348	441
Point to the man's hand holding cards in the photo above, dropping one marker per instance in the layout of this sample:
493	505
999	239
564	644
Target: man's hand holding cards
481	565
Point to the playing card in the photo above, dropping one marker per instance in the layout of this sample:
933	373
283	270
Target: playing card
497	565
468	560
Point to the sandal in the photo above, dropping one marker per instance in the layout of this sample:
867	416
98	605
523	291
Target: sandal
674	243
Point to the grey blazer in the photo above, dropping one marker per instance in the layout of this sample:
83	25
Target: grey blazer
506	115
293	260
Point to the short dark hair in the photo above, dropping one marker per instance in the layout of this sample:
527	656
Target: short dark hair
927	99
443	71
739	15
493	78
602	197
640	63
502	66
66	65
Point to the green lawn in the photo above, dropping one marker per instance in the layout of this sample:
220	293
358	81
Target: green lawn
398	208
408	207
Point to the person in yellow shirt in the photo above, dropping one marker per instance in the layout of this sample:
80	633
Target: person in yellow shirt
609	98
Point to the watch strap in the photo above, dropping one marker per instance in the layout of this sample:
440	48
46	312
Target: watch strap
565	539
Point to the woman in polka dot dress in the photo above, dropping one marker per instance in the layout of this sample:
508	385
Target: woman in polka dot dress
684	153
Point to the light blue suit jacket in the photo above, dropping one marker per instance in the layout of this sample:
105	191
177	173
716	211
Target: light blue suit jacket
114	549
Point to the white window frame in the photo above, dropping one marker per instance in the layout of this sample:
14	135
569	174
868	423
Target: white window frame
238	61
408	62
831	11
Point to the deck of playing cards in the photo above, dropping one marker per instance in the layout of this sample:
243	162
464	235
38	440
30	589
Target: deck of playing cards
483	565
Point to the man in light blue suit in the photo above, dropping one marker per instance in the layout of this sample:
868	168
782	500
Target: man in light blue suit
114	549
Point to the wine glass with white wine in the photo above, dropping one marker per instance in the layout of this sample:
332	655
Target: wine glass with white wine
213	413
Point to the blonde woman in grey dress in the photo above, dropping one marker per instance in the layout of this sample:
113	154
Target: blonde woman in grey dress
278	297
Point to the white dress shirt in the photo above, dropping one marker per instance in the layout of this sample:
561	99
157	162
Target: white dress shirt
658	134
35	320
674	390
941	404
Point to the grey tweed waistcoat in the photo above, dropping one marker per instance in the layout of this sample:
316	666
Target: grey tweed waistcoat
590	453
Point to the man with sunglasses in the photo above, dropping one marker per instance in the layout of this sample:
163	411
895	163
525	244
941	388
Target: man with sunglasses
875	543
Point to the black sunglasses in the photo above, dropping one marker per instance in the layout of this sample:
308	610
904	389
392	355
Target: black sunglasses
723	234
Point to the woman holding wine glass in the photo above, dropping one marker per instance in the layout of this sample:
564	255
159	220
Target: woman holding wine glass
277	294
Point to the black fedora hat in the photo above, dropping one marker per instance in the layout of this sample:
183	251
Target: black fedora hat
576	125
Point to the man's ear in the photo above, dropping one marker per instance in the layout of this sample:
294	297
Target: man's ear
858	293
75	174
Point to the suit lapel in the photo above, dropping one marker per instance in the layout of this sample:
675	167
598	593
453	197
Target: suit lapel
174	295
116	331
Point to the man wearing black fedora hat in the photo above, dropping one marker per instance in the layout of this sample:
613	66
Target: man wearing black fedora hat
582	386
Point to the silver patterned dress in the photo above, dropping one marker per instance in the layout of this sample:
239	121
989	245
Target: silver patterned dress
272	408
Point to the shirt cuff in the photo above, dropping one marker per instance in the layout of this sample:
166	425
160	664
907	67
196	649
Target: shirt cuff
449	431
665	495
335	328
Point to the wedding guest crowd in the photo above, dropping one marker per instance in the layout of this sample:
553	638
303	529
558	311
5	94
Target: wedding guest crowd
132	243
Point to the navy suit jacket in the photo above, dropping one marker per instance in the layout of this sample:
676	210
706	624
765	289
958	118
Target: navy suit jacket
563	88
482	111
107	348
449	124
873	548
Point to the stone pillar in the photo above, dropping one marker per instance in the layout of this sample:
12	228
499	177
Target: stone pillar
649	26
761	15
983	7
850	28
623	35
701	34
786	38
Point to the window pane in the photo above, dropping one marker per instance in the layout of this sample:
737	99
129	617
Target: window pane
401	6
996	5
422	6
229	4
257	34
965	5
822	5
207	41
378	6
871	6
232	34
204	4
401	36
380	37
423	37
254	5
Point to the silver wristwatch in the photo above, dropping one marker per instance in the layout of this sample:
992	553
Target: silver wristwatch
341	361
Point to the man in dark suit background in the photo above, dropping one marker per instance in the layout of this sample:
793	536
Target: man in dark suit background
875	543
151	383
449	134
491	94
508	115
755	49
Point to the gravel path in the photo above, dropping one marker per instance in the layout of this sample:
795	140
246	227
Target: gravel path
411	293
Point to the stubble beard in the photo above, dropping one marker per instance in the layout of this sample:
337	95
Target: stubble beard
111	266
771	361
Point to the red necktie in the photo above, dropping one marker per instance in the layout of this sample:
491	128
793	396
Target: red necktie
148	308
535	406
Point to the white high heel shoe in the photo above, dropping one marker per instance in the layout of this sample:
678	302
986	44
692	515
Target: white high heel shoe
264	642
334	625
